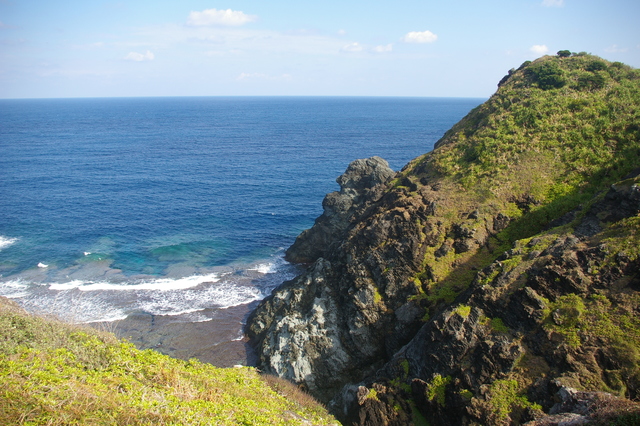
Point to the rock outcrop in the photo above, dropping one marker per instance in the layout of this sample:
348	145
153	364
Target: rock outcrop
486	276
504	331
361	185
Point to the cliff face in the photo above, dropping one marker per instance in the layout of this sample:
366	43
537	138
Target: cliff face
487	275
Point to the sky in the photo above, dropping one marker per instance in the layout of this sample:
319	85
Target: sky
424	48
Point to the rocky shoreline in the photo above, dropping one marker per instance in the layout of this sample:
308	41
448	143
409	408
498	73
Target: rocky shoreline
218	341
458	291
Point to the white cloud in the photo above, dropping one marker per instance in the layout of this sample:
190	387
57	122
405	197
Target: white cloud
420	37
539	49
227	17
342	32
215	41
139	57
383	48
553	3
352	47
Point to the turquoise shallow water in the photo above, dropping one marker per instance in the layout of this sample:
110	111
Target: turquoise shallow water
173	206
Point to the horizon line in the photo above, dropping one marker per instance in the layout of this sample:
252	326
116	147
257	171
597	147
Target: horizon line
243	96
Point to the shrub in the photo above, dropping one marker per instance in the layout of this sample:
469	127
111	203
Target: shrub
547	75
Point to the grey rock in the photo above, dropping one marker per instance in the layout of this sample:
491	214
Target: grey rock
360	185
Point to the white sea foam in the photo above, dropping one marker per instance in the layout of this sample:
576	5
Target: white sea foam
87	295
6	242
14	289
263	268
42	265
220	295
159	284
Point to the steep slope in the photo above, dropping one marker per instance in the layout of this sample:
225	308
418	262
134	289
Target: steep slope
496	259
52	373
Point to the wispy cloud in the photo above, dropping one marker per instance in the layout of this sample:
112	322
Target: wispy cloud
352	47
553	3
227	17
420	37
218	40
539	49
139	57
383	48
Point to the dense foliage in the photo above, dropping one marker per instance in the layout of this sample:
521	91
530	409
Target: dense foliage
57	374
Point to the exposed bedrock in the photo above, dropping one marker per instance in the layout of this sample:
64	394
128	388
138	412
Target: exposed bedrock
352	329
528	333
360	185
484	277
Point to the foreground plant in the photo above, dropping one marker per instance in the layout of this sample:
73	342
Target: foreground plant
58	374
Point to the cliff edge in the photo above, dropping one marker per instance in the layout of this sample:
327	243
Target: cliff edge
490	276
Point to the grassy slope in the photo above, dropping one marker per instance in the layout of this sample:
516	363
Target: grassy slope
58	374
557	131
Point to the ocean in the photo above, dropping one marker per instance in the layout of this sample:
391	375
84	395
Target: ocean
180	207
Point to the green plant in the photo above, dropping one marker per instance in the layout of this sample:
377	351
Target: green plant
53	373
503	397
463	310
498	325
437	387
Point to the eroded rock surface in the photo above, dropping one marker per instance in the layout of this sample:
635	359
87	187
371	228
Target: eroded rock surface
361	184
475	283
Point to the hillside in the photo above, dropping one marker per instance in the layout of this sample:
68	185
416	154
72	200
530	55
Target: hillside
53	373
489	277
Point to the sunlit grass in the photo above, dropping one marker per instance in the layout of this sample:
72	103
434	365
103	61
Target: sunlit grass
52	373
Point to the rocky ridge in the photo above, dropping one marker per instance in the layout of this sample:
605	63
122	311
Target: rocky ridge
485	277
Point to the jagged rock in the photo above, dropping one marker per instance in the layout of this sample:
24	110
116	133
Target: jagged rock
413	291
360	185
305	317
378	406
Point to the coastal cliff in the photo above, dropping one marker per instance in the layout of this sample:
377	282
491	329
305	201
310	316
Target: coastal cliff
490	281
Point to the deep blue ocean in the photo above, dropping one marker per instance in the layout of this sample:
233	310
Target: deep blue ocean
110	207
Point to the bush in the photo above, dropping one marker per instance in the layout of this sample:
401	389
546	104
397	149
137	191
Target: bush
548	75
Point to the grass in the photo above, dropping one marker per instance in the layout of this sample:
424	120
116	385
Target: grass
437	387
504	398
597	319
52	373
557	132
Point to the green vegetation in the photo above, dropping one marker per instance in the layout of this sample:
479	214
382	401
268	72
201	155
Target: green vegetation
373	394
504	398
596	319
53	373
556	135
437	387
463	310
557	131
498	325
566	315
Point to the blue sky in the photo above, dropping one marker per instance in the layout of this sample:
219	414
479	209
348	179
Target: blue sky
461	48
